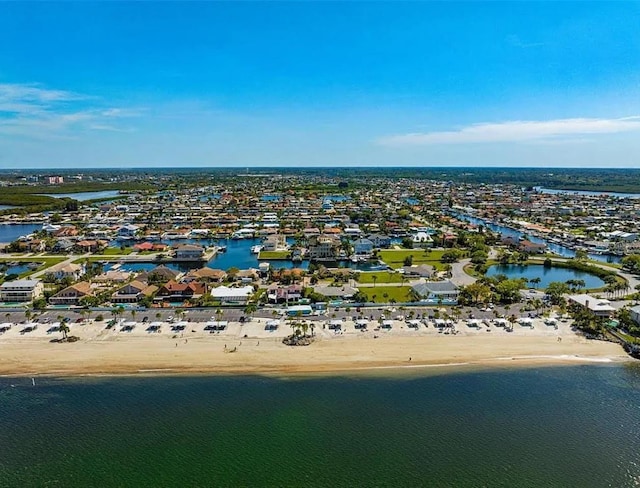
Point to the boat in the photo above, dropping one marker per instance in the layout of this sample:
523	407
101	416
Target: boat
256	249
222	248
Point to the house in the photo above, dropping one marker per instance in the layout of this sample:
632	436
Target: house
190	252
363	247
323	247
421	239
597	306
437	291
233	295
128	231
90	245
279	294
113	276
63	245
531	247
72	295
380	241
206	275
174	291
133	292
159	274
336	292
68	270
21	290
247	275
275	242
420	270
635	314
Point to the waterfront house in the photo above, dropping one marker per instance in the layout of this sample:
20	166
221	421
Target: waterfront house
531	247
21	290
90	245
128	231
71	295
68	270
205	275
380	241
275	242
437	291
363	247
323	247
190	252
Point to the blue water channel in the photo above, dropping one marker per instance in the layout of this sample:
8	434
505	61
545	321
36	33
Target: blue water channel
551	246
546	275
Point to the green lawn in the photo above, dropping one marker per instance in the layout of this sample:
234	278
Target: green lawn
377	294
381	277
116	251
395	258
273	255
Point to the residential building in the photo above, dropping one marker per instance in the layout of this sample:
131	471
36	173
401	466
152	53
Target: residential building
600	307
190	252
21	290
232	295
437	291
72	295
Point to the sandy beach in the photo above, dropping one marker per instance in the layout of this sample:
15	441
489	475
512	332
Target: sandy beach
112	352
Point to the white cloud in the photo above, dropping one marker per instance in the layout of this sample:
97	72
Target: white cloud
31	110
517	131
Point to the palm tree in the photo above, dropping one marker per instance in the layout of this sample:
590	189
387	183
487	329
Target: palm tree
535	281
218	315
64	328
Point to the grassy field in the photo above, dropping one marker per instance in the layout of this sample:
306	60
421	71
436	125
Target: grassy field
395	257
116	251
384	294
273	255
380	277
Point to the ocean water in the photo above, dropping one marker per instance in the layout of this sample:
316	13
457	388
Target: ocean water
572	426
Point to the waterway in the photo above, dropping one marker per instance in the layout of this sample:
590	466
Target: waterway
558	249
587	193
546	275
10	232
86	195
572	426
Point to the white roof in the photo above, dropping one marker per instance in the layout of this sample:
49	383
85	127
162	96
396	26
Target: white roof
225	291
594	304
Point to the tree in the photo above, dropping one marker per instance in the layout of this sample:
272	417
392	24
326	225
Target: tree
556	290
509	290
535	281
408	260
451	256
407	243
374	278
478	292
64	328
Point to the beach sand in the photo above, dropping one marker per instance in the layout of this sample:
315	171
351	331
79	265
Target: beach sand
111	352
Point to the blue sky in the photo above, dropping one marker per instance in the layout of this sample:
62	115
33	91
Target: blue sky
320	84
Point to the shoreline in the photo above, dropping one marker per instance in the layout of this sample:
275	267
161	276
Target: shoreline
399	352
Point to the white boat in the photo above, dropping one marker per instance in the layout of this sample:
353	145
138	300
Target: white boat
256	249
